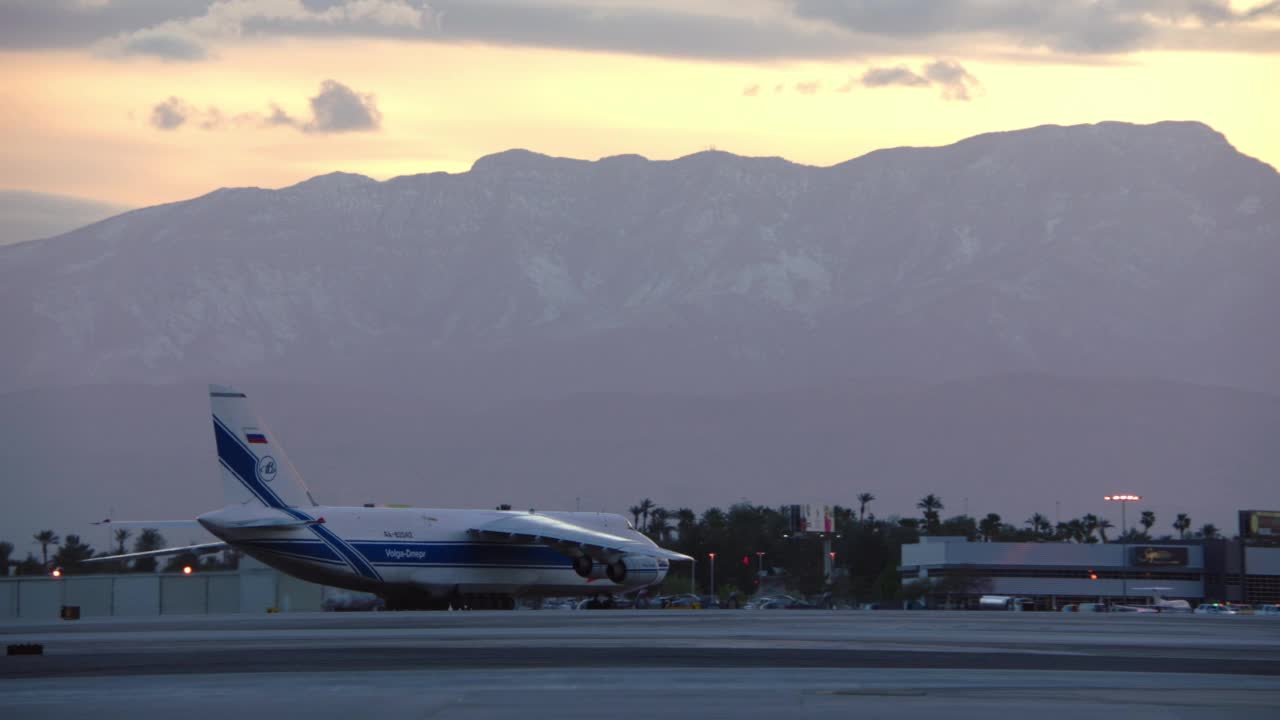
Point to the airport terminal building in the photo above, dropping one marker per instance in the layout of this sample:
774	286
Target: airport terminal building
1054	574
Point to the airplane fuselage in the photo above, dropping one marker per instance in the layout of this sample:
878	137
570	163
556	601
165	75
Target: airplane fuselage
421	550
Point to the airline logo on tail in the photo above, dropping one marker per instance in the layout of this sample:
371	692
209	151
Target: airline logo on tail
267	468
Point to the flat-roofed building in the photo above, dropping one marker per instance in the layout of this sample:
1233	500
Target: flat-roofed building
1054	573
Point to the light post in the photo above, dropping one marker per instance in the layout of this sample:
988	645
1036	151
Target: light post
759	563
1124	500
713	573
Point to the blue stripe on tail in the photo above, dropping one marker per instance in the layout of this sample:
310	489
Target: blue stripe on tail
242	463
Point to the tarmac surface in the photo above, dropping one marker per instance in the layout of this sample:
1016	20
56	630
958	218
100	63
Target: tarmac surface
662	664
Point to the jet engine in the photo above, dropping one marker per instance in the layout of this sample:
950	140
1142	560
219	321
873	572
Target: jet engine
588	568
636	570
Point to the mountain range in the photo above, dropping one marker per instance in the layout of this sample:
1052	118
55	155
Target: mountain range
1109	250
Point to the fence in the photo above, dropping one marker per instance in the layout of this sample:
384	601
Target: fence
248	590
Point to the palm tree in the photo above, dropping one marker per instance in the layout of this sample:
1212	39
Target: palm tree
149	539
864	499
121	534
46	538
686	523
659	518
1209	531
1089	524
646	506
1075	530
1103	526
6	551
931	504
989	527
1182	524
1040	526
1148	519
635	515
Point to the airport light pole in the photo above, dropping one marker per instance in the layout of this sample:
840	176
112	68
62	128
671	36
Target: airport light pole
759	563
1124	500
713	573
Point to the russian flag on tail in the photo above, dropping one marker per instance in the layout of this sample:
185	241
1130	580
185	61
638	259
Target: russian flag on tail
255	437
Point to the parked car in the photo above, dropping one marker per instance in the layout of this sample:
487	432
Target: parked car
680	602
1272	610
1214	609
1142	609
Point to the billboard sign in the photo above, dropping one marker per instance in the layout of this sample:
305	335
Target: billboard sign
1260	524
812	519
1160	556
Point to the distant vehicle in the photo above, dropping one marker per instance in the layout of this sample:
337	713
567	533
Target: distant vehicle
1005	602
1085	608
413	558
1140	609
681	602
1163	604
1214	609
595	603
346	601
1272	610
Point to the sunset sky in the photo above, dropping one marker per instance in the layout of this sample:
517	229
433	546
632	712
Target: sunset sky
137	102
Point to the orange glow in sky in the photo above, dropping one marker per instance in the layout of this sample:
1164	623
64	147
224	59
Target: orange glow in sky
80	121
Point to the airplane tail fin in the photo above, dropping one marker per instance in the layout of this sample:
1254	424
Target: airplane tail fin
255	469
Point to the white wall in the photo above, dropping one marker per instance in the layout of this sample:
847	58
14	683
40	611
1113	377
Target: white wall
1262	560
1110	555
254	590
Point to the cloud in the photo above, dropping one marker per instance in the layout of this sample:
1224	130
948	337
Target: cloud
886	76
170	114
335	109
751	90
1061	30
954	80
193	37
1061	26
162	45
340	109
808	88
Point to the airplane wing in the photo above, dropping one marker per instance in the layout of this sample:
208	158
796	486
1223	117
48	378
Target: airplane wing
149	523
568	538
201	549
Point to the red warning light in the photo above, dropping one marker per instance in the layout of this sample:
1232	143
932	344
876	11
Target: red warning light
1093	575
186	570
57	572
746	560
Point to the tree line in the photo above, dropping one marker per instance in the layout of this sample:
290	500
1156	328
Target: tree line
752	543
70	552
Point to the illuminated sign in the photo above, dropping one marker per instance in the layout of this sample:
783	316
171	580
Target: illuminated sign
1260	523
1146	555
811	519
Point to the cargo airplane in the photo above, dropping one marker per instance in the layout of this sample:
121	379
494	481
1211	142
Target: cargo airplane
414	558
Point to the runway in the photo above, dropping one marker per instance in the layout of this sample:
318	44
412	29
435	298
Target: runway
669	664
